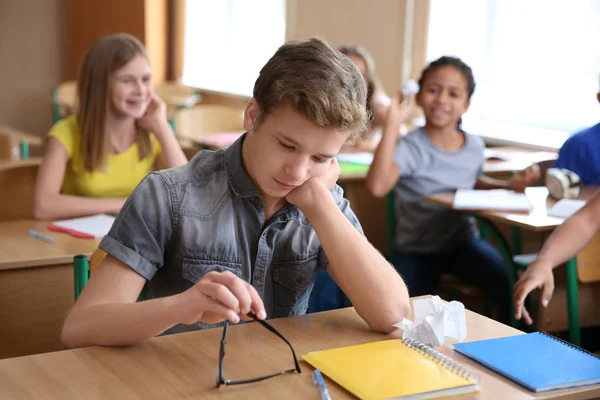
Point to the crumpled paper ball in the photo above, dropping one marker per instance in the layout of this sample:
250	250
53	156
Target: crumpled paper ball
435	320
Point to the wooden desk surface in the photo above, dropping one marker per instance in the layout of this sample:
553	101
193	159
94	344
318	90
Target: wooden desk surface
536	220
185	365
20	135
19	250
518	159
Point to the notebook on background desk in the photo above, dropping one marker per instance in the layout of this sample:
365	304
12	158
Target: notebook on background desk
394	369
495	199
564	208
94	227
537	361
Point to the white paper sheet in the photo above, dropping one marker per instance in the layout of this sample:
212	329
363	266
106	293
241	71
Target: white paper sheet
97	225
501	200
564	208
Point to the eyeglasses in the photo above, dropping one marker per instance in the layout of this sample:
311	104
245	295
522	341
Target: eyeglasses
223	381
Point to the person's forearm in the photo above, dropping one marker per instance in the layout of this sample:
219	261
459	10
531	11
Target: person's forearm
119	324
172	155
375	288
382	162
67	206
568	240
486	183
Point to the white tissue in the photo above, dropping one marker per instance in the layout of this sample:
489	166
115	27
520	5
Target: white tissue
435	320
410	87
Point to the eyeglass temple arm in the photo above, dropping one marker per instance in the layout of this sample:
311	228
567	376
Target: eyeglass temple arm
269	327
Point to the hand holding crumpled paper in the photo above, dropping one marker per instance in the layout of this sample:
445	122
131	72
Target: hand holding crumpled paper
434	320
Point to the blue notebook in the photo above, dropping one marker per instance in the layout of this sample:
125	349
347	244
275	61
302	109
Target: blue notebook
538	361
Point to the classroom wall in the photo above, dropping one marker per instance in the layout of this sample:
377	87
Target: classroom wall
393	31
33	50
145	19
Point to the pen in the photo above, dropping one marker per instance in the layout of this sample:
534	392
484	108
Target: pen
318	379
41	236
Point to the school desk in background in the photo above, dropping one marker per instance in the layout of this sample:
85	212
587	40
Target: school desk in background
216	141
94	227
354	164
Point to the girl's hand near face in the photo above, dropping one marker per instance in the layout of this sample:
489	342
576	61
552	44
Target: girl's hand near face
155	117
399	111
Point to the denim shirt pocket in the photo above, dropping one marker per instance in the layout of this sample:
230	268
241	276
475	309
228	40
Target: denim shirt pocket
292	284
194	269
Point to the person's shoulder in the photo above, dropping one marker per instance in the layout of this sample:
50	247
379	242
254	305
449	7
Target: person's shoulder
584	137
66	127
202	168
475	141
416	136
67	132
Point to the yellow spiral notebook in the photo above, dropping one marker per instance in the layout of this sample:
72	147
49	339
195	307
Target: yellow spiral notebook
394	369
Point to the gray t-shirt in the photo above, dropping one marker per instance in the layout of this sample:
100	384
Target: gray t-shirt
425	169
208	215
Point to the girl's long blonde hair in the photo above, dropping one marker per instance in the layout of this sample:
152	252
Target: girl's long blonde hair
374	86
106	55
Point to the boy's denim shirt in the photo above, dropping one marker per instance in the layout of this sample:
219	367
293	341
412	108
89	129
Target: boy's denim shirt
208	215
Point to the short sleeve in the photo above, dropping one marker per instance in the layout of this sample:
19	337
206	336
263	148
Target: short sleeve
143	228
574	156
479	152
344	206
66	131
568	155
406	156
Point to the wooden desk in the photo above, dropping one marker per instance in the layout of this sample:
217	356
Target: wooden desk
36	286
517	159
185	365
536	220
216	141
20	135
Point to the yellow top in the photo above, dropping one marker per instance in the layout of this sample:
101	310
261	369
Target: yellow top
124	171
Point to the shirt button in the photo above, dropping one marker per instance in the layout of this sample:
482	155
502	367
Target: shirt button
299	280
258	277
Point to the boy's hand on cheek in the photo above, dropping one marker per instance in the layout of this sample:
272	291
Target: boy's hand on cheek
219	296
308	194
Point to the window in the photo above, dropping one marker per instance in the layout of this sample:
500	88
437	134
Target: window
535	63
228	41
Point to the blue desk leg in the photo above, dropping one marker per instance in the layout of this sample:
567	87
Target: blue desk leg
573	302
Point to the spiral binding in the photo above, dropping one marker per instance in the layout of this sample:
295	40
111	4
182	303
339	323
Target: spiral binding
442	359
571	345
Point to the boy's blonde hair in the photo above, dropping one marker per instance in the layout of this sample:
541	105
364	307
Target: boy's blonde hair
106	55
319	82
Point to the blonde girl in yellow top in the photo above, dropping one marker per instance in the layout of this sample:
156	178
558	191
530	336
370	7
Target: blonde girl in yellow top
95	159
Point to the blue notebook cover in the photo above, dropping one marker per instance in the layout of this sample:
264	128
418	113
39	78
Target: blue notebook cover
538	361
